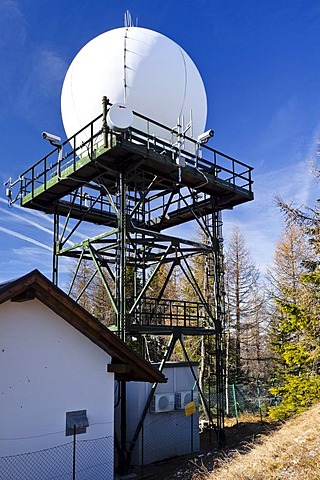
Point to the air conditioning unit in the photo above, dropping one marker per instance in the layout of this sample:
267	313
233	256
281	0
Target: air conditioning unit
184	397
162	402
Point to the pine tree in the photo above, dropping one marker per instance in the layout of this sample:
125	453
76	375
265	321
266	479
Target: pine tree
296	329
284	283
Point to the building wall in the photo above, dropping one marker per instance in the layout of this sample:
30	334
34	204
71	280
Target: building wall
165	434
48	368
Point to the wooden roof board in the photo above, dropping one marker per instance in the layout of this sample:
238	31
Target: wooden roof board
36	285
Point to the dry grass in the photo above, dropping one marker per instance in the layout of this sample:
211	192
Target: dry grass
246	418
292	452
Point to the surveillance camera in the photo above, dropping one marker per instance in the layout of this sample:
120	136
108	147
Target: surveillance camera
204	137
54	139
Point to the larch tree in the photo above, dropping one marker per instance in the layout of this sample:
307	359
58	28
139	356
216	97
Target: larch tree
82	285
196	290
89	291
244	306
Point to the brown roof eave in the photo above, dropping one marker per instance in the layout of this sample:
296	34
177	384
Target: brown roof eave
79	318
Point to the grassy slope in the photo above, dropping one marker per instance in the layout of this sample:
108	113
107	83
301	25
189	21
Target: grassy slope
292	452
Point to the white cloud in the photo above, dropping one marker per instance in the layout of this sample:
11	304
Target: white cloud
13	24
260	221
19	261
285	151
15	234
23	218
283	125
36	213
48	71
34	254
13	34
19	216
43	81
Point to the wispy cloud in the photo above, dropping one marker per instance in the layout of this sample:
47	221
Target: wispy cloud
26	220
23	215
282	126
36	256
294	183
35	213
13	33
44	80
286	149
49	70
24	259
30	73
284	139
261	221
24	237
13	24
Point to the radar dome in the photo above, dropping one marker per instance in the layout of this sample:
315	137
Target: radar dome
140	68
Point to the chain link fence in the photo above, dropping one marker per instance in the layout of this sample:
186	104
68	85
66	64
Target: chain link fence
168	435
82	460
243	398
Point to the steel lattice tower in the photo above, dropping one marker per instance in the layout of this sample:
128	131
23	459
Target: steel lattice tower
133	188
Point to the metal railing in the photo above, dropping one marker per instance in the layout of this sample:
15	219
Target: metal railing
67	158
169	313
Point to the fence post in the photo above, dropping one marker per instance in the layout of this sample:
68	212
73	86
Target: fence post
259	400
191	423
235	403
142	450
209	392
74	454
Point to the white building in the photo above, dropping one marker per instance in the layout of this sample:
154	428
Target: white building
58	366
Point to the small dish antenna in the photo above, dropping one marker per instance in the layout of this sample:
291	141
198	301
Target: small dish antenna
119	117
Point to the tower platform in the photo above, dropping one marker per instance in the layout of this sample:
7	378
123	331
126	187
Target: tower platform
79	182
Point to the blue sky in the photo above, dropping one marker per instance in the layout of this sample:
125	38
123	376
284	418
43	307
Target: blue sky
260	63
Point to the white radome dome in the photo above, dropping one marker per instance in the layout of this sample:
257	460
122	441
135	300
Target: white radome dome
141	68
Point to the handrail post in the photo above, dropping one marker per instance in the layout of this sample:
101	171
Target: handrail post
104	121
45	173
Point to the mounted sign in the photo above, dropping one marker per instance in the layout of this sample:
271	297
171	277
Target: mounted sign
190	409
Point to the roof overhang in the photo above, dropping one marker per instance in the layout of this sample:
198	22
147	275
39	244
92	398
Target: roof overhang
126	364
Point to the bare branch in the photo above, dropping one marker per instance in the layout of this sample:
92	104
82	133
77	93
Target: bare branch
303	216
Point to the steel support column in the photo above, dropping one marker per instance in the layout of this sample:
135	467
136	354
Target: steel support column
122	258
219	325
55	246
121	314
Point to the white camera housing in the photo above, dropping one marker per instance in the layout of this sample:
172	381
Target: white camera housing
54	139
204	137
